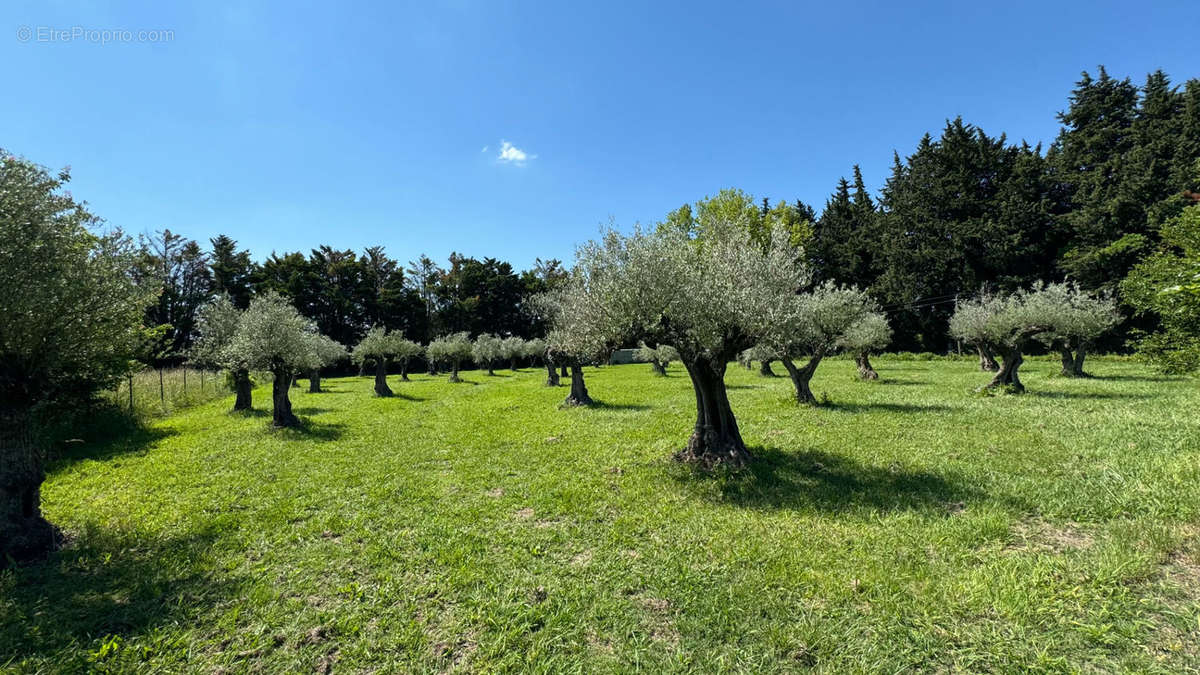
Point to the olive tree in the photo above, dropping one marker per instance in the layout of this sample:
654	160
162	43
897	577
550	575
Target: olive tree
216	324
70	318
1007	324
814	329
1082	317
378	346
533	350
486	351
868	334
322	351
452	350
711	292
572	347
658	357
272	336
512	348
553	359
763	355
569	350
405	351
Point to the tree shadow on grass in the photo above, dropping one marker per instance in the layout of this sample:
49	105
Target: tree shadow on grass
814	480
310	429
1094	395
855	408
253	412
103	586
310	410
605	405
1137	378
106	435
897	382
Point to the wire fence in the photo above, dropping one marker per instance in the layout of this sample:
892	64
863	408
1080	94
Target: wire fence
157	392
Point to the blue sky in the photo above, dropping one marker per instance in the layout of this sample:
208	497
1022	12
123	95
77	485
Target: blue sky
288	125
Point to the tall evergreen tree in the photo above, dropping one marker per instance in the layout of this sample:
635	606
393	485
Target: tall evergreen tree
232	271
178	268
1090	159
963	211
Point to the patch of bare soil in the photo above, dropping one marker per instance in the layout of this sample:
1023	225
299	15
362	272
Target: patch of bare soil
1038	535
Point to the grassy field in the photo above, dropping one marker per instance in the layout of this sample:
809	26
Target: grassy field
909	525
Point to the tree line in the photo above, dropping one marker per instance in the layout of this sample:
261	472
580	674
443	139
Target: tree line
344	293
970	212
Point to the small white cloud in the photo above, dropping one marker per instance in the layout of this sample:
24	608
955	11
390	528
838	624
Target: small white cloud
512	154
484	149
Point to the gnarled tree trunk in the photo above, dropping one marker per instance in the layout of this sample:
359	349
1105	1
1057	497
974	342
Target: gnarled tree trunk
241	385
432	367
404	370
24	533
716	439
314	381
658	368
579	392
281	415
563	372
865	371
1007	376
513	364
454	373
801	378
987	360
551	374
764	369
1072	363
381	385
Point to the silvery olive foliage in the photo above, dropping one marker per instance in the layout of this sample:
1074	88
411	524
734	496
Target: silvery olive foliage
818	321
378	343
1053	313
709	297
452	349
1081	316
534	349
271	335
710	290
216	324
322	351
871	333
405	349
512	348
487	350
756	353
661	355
1046	312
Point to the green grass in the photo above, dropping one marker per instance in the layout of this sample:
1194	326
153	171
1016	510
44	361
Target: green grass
910	525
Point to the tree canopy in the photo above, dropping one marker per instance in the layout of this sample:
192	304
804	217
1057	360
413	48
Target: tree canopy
72	316
710	291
